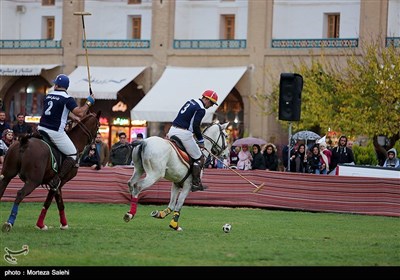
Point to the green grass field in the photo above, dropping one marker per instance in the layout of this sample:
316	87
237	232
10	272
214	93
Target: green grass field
98	236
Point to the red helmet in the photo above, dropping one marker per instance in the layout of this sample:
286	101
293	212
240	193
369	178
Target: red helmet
211	95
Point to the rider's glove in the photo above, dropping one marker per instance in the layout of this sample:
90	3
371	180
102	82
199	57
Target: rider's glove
90	100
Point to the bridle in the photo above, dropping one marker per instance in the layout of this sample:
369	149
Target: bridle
216	149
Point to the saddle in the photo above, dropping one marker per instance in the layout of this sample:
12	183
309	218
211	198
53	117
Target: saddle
57	157
176	143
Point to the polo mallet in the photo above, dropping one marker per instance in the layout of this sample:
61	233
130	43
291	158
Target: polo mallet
83	14
228	167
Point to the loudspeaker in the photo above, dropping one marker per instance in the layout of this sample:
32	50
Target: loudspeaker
290	87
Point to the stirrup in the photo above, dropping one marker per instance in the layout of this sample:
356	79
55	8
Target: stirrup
55	183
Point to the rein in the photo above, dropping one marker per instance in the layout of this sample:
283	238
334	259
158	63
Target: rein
216	148
86	130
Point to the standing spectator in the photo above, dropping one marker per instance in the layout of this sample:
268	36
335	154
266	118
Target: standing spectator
139	137
271	158
326	156
350	144
91	159
245	158
258	161
341	154
121	152
20	127
298	159
102	150
3	123
392	161
233	156
6	140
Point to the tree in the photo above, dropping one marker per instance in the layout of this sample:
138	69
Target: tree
359	95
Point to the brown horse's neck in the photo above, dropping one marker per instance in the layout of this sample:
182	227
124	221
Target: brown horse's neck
83	133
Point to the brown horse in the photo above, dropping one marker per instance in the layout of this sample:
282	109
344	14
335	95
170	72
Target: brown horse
31	158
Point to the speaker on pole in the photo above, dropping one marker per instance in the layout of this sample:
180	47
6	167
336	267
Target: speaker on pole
290	87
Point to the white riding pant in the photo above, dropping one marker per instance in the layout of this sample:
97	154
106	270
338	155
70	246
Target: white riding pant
187	139
62	141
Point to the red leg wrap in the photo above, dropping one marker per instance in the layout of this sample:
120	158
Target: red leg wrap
63	219
42	216
134	202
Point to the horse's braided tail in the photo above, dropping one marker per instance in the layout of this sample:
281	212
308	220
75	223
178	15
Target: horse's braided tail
23	143
139	145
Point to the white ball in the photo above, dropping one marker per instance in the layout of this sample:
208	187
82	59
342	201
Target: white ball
226	228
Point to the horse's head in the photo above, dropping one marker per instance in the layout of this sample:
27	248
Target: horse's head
216	135
84	132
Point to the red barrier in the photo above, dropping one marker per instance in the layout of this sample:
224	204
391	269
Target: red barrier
281	190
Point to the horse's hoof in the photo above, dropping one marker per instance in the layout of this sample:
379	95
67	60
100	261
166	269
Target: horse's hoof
127	217
156	214
63	227
178	228
44	227
6	227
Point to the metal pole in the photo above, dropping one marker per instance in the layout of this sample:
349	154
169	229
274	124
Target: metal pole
290	143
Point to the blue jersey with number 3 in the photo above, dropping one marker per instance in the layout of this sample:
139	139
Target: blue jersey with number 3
190	116
56	108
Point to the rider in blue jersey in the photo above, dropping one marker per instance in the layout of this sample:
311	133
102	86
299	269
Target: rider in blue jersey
57	107
186	124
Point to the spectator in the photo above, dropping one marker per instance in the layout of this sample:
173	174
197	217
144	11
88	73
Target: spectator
20	127
233	156
102	150
139	137
341	154
6	140
221	162
350	144
245	158
271	158
286	152
258	161
314	161
121	152
298	159
392	161
326	156
3	123
91	159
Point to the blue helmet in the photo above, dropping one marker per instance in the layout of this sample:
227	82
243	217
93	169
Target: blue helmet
62	81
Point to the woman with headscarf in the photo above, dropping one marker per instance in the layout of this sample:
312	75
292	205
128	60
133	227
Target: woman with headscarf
6	140
270	157
258	161
245	158
298	160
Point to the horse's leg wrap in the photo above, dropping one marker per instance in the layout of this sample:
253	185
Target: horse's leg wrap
174	222
66	167
63	219
13	215
196	175
161	214
134	201
40	222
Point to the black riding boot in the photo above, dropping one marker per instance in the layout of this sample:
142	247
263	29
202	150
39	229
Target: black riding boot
196	175
65	168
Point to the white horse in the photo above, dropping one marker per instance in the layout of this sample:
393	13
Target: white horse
158	158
